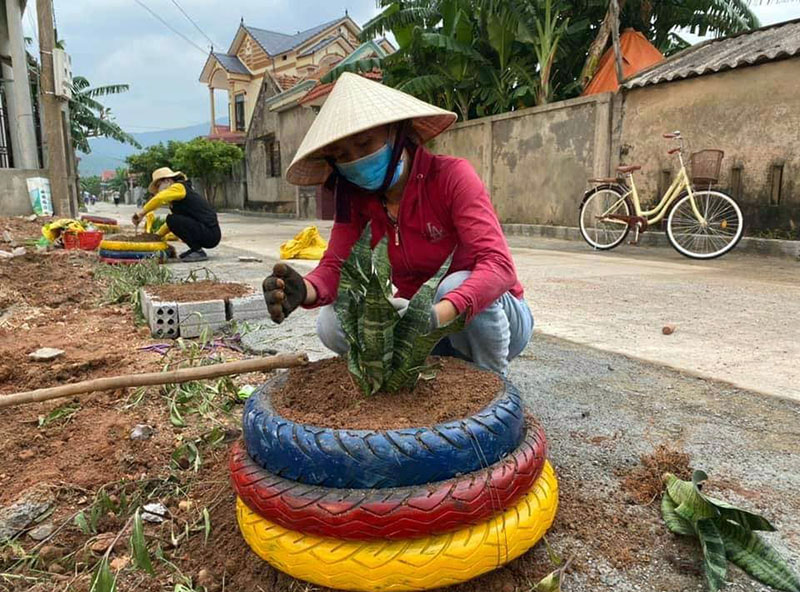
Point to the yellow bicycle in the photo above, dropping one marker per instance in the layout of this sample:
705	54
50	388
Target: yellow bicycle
702	223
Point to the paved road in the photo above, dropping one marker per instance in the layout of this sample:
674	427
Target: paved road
737	318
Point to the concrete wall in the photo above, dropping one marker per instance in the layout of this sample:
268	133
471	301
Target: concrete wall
289	127
14	200
535	162
751	113
231	193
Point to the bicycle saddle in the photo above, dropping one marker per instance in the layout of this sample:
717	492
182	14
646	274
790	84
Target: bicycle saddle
628	168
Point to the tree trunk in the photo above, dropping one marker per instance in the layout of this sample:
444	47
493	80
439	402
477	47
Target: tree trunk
598	45
615	41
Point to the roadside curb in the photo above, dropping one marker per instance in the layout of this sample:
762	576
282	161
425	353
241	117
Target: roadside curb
750	245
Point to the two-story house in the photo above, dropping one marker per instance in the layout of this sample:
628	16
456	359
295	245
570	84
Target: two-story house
286	58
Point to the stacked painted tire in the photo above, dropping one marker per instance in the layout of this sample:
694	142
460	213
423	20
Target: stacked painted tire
106	225
115	250
404	509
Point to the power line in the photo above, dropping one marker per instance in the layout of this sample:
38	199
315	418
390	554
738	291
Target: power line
171	28
196	26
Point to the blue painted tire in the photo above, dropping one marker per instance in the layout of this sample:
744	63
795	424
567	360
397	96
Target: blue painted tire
107	254
361	459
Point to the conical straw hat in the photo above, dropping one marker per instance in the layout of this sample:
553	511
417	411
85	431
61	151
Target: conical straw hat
357	104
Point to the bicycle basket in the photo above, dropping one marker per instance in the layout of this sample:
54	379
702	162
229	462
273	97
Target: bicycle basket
705	166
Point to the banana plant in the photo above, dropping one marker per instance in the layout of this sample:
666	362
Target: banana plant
388	351
726	533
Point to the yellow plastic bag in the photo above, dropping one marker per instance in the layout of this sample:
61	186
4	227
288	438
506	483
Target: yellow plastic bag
53	230
307	244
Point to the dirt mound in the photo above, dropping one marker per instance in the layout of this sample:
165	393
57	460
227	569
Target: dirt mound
198	291
323	394
644	484
144	237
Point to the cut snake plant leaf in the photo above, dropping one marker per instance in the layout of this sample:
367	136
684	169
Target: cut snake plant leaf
746	519
714	559
673	520
346	307
376	334
407	374
550	583
690	504
750	552
382	267
417	318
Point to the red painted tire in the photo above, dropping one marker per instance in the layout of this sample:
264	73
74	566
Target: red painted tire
391	513
100	220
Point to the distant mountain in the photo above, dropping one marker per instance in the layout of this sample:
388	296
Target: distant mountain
108	154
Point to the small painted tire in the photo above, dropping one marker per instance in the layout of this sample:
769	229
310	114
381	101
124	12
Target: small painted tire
409	564
111	261
370	459
397	513
100	220
115	245
132	254
108	228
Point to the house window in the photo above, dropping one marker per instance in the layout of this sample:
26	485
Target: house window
272	150
238	109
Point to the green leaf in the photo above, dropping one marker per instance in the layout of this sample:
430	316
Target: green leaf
81	523
382	266
550	583
691	505
675	522
417	318
714	561
750	552
102	579
747	519
376	335
407	374
139	552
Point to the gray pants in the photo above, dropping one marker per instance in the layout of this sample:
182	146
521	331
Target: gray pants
491	339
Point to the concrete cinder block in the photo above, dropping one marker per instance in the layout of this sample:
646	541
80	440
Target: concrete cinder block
195	317
246	308
163	319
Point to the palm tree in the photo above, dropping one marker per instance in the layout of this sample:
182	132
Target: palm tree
91	119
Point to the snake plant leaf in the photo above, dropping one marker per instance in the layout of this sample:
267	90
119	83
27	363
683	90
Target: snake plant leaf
417	318
673	520
690	504
407	374
376	335
382	266
746	519
750	552
714	559
361	254
346	307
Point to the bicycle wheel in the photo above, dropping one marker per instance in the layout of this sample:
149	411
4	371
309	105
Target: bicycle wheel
597	229
723	226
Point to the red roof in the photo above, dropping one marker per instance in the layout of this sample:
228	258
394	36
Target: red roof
107	175
637	54
224	134
321	89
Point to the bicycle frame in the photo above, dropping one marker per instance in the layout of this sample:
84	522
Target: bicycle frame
657	213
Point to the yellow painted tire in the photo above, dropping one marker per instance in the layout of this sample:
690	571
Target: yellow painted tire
108	228
414	564
113	245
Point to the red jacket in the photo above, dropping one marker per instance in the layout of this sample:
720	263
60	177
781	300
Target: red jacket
445	206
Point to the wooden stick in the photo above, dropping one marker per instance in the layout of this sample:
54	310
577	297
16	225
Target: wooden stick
156	378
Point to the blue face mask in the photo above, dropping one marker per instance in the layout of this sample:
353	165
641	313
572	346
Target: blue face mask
368	172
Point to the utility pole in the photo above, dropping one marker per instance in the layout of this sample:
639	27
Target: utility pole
53	127
615	41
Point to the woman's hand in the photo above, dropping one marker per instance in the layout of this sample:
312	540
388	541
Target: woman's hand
445	311
137	218
284	291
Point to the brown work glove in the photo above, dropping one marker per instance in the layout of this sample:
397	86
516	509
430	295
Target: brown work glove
284	291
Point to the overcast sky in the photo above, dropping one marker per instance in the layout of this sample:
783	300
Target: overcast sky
118	41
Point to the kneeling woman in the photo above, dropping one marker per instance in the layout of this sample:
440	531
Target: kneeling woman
366	145
192	220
